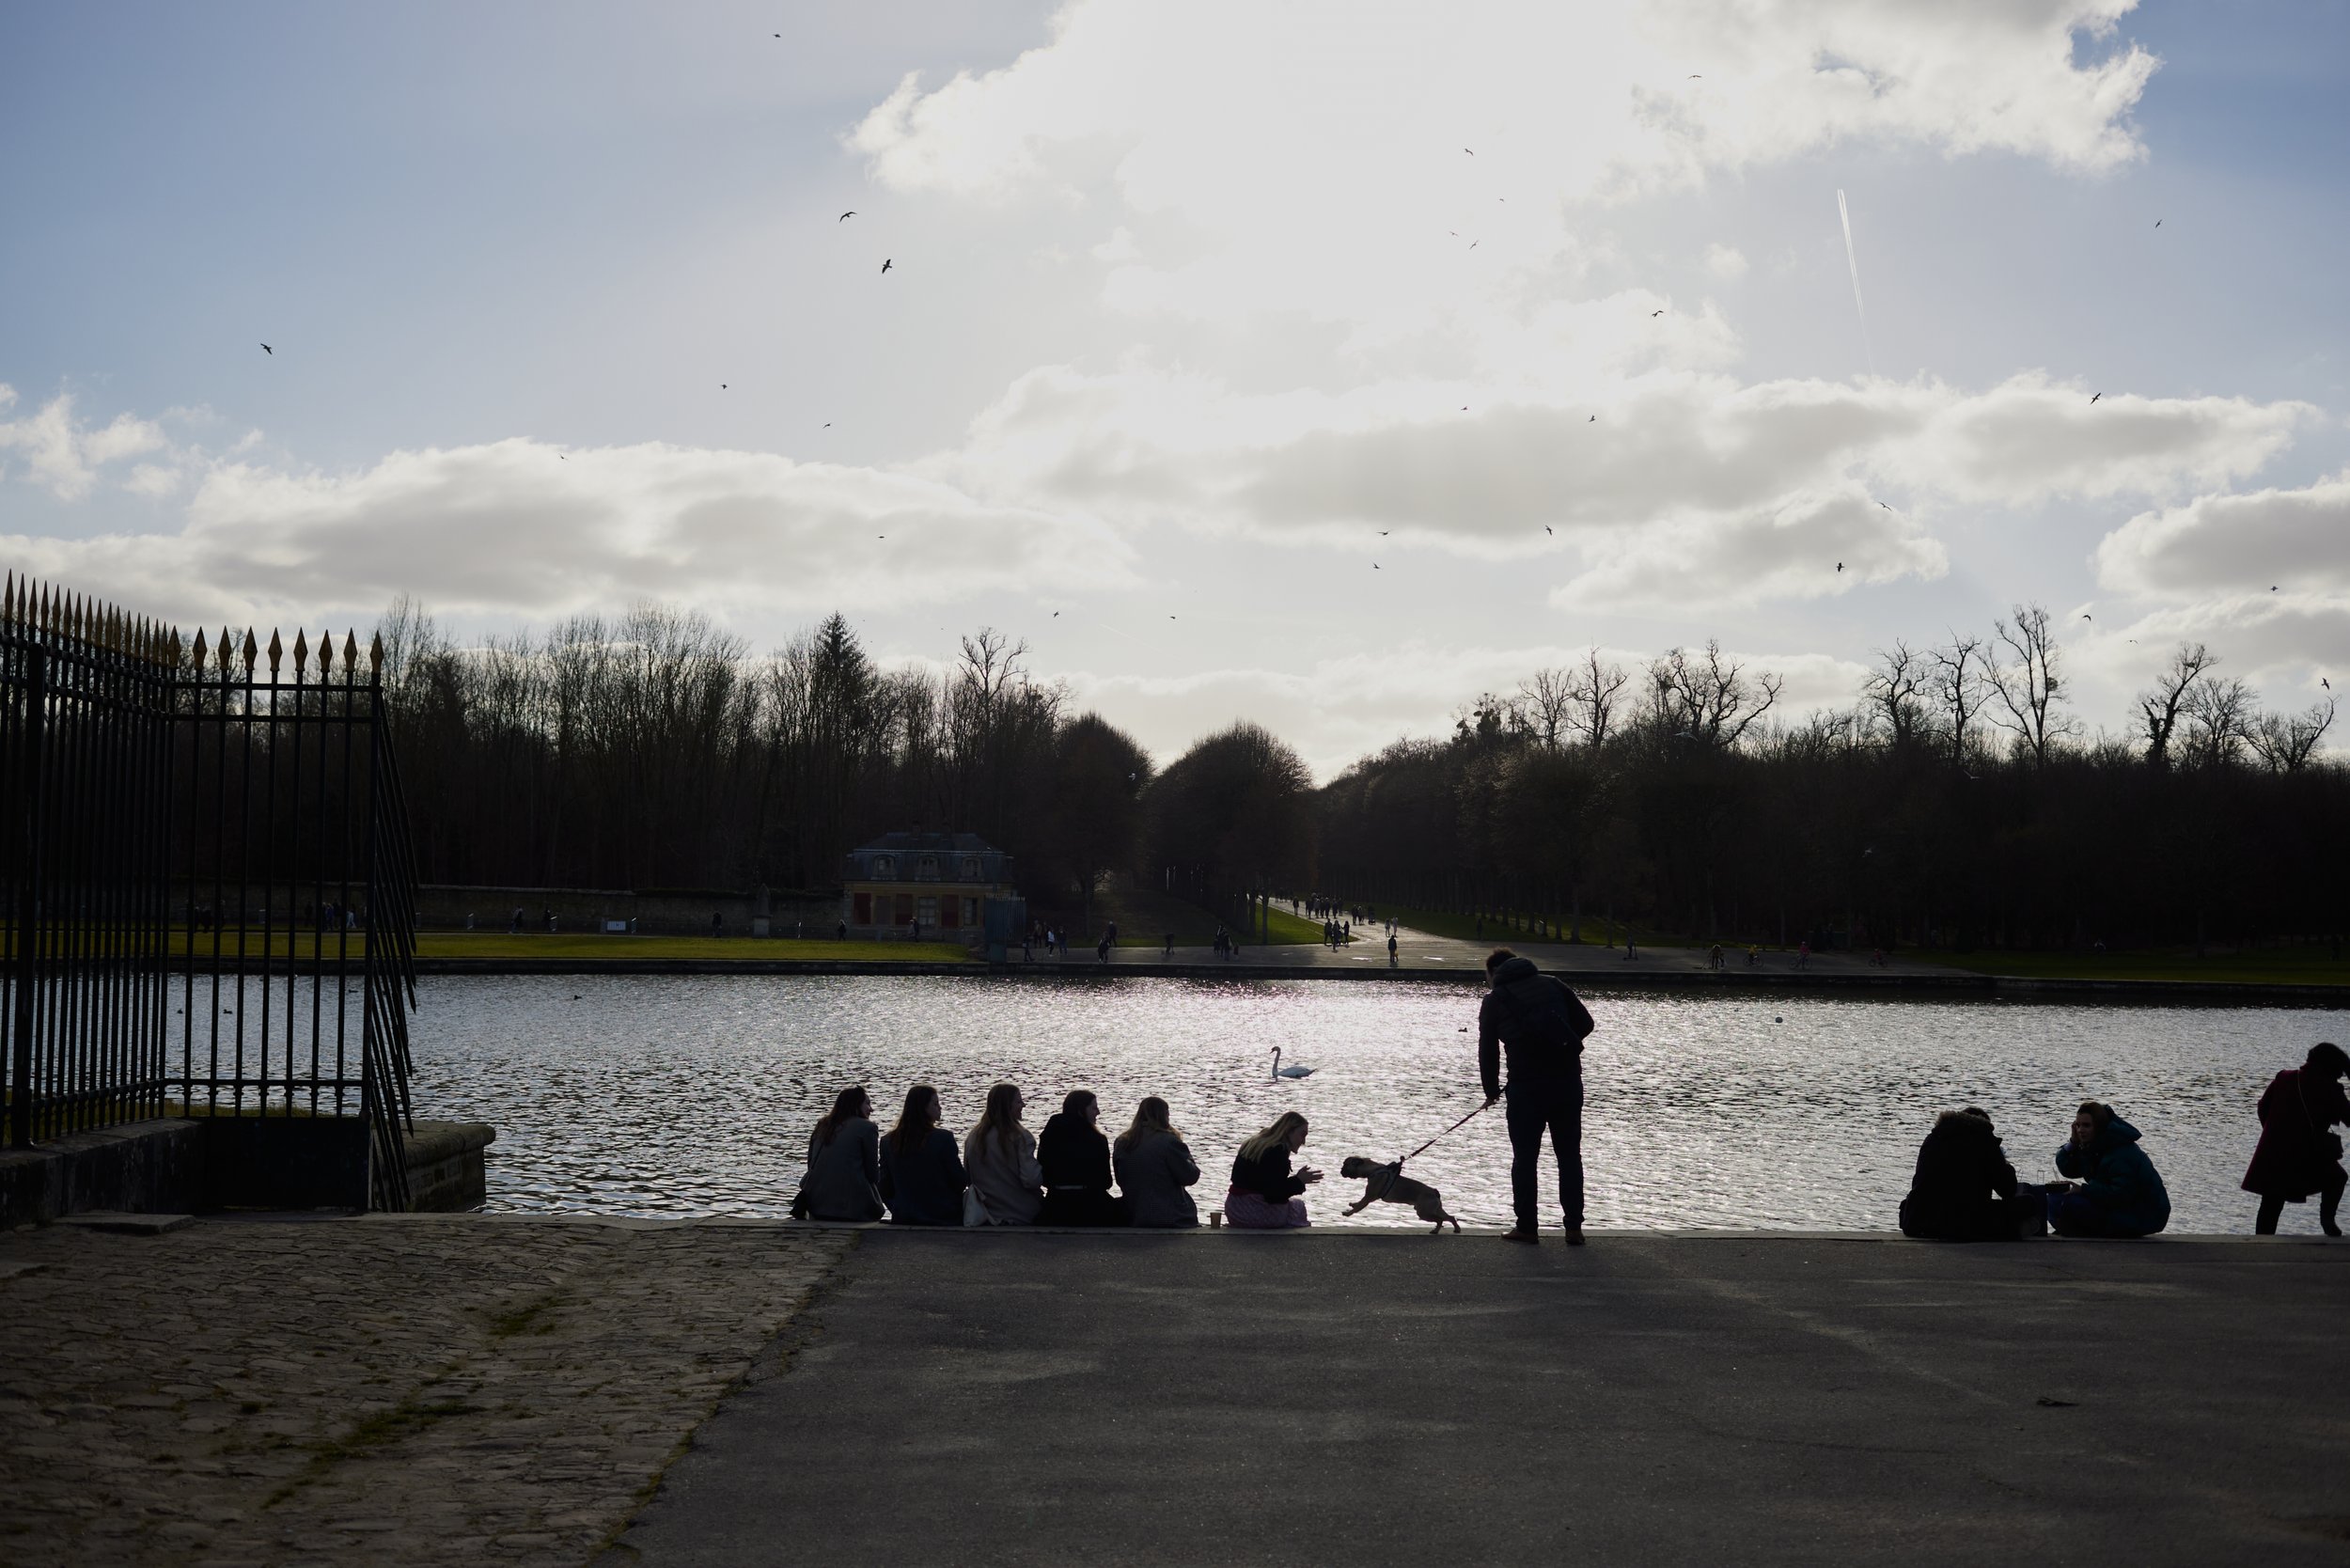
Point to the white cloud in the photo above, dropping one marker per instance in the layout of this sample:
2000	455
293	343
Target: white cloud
1727	263
2295	541
516	527
64	455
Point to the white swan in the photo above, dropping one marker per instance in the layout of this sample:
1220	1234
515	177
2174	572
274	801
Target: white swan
1291	1071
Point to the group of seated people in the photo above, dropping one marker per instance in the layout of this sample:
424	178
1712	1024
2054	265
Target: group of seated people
1002	1174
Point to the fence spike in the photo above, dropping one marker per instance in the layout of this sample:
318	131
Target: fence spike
375	654
302	653
350	651
220	650
326	653
199	649
7	599
252	650
277	651
171	645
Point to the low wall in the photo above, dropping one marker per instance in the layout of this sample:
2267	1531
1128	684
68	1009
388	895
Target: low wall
190	1165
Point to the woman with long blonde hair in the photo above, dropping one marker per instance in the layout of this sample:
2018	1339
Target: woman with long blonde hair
1265	1194
1154	1168
999	1158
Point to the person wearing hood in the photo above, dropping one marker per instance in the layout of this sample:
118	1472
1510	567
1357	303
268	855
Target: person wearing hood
2298	1153
1965	1189
1076	1158
2116	1190
1542	1026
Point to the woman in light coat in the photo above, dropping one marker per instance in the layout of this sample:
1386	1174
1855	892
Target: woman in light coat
999	1156
1154	1167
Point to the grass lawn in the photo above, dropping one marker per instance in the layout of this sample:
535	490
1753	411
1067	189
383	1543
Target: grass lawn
1145	916
2310	966
1437	923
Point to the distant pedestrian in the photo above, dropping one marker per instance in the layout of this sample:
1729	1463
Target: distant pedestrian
1392	962
713	922
1028	945
1803	955
2299	1153
1265	1194
2119	1192
1075	1160
549	912
921	1173
1168	951
1542	1025
514	926
1101	948
1154	1167
843	1163
999	1156
840	933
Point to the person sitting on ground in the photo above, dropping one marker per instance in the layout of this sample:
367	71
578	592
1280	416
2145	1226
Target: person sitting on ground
1265	1194
999	1158
843	1163
1965	1189
921	1172
1075	1159
2118	1191
1153	1167
2298	1154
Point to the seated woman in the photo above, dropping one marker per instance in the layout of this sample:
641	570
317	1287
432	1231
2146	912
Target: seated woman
1154	1168
843	1163
1076	1158
1965	1189
1264	1195
999	1156
2118	1193
921	1174
2298	1154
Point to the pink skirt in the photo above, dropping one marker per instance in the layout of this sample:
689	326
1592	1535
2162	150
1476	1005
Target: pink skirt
1248	1211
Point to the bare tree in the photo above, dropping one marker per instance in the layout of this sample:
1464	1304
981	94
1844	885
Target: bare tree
1961	684
1596	692
2173	691
1546	700
1707	698
1896	692
2219	720
2027	681
2285	742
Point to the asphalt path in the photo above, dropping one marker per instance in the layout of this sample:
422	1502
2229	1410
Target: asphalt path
1368	1399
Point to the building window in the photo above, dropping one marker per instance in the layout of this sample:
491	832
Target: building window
884	867
970	912
971	869
949	911
929	872
926	913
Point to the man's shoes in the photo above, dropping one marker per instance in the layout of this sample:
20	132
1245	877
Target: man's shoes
1523	1236
1574	1235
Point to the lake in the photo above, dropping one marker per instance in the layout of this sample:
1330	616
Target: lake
694	1095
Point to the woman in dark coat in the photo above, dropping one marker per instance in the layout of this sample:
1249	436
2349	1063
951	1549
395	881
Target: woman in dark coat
1265	1194
1965	1189
1077	1161
1153	1170
2119	1193
921	1173
843	1163
2298	1154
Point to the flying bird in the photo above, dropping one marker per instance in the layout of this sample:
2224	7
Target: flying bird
2086	615
1056	615
1840	566
722	387
2272	587
1546	529
1655	313
2095	396
1374	566
884	264
1470	150
1592	420
2323	682
827	424
1693	76
267	350
1383	533
1882	504
846	216
2157	223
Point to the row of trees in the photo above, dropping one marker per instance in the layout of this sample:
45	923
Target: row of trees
1957	801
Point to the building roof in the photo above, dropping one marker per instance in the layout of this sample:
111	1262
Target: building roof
930	843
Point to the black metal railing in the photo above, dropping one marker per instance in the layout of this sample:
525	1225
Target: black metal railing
209	895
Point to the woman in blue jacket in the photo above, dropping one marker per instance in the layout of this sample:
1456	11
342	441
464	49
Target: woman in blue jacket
2116	1190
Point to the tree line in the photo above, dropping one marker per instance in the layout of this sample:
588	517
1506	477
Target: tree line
1956	801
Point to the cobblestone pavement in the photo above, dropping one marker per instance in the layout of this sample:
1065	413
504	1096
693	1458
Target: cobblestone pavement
394	1389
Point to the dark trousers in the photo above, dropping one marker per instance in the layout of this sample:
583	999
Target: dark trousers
2328	1206
1536	1103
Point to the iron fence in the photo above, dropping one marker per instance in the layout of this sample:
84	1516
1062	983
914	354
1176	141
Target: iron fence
210	893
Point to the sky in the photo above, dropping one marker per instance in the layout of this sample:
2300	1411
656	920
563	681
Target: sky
1319	364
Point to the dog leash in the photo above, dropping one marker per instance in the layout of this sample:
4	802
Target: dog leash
1431	1142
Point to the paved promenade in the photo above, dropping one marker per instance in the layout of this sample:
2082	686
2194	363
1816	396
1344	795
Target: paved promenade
1399	1399
428	1389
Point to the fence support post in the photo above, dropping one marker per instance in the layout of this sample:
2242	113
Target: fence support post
27	926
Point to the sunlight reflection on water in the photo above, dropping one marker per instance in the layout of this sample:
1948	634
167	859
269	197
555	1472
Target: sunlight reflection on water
694	1095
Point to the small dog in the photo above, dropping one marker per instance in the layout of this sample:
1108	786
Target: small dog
1386	1183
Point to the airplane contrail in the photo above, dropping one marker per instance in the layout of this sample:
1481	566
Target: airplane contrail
1852	259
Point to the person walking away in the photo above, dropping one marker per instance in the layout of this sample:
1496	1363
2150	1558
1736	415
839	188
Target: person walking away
2118	1191
921	1172
1392	962
843	1163
2298	1153
999	1158
1965	1189
1542	1025
1265	1194
1154	1169
1074	1159
1167	952
1803	955
1101	948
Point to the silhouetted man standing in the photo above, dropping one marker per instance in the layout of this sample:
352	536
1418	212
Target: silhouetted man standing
1542	1026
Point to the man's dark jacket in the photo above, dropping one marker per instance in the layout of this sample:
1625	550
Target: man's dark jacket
1537	1020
